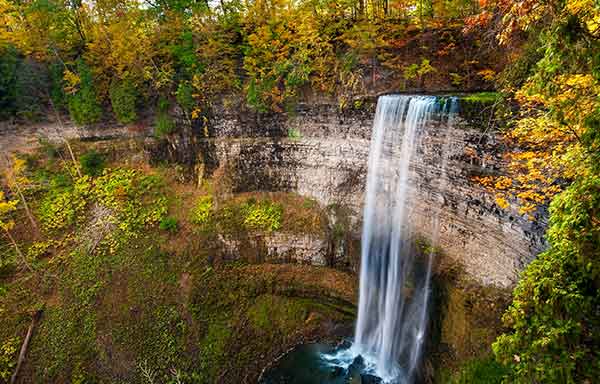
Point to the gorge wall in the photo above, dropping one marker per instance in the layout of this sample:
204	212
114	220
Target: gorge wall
320	152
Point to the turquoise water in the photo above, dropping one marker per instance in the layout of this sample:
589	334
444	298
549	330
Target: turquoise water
319	364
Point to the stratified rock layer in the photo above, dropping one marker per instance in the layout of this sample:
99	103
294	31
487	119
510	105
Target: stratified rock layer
322	153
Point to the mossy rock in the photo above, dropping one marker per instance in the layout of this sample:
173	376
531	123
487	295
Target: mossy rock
478	109
467	319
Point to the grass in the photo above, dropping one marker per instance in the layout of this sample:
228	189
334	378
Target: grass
275	311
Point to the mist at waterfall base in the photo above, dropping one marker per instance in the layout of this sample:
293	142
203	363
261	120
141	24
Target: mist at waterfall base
394	285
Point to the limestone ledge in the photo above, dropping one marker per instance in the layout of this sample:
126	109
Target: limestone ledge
322	153
276	247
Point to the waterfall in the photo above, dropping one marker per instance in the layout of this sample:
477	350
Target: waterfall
394	287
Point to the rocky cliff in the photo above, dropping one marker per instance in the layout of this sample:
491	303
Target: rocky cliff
321	152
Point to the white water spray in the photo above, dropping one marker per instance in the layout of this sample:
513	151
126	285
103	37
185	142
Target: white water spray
394	290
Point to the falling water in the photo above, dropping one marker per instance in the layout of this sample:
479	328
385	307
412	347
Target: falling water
394	290
394	287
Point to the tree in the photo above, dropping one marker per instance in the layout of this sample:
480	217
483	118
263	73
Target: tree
123	98
82	100
8	80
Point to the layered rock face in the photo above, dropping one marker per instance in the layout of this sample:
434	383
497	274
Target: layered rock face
322	153
277	247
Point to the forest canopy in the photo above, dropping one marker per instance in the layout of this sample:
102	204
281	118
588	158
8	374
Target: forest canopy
89	55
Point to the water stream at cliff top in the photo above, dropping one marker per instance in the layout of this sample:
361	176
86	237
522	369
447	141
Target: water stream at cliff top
394	287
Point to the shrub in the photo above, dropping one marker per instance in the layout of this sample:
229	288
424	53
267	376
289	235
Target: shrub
164	125
135	198
60	180
62	207
553	320
83	104
8	80
123	98
38	249
8	358
202	213
168	224
135	201
92	163
184	97
57	93
264	215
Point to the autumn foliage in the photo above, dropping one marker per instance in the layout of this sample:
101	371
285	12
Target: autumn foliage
272	52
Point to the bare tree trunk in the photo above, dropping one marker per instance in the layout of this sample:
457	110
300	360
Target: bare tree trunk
75	163
23	259
27	210
13	378
60	124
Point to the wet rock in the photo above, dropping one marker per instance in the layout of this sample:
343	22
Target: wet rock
370	379
337	372
357	366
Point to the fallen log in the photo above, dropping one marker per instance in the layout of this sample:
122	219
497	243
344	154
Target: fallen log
23	351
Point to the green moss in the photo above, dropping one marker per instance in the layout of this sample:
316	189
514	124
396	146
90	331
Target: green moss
114	314
213	348
294	134
263	313
481	110
273	311
465	321
65	339
483	97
